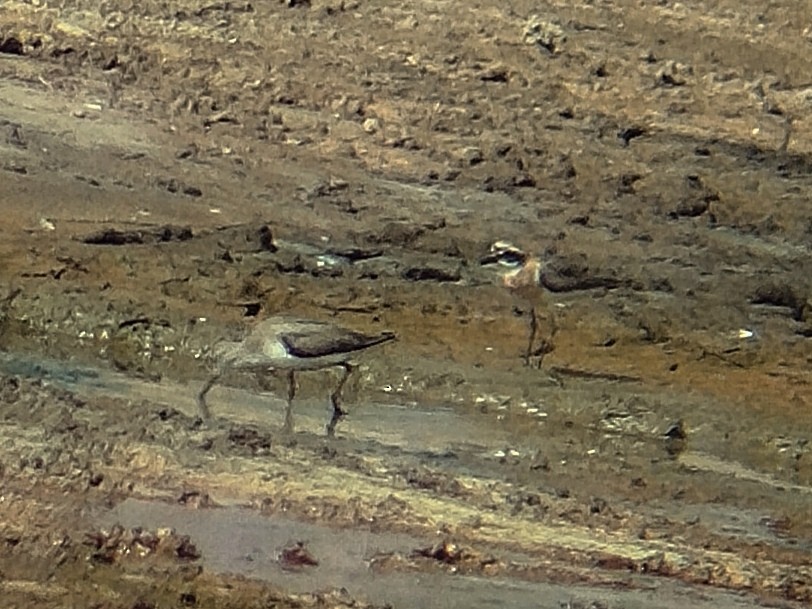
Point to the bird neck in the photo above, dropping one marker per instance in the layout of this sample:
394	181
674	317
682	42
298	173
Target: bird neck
225	351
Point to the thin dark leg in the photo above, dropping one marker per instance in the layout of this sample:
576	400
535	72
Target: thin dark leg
335	398
548	344
288	428
201	397
532	336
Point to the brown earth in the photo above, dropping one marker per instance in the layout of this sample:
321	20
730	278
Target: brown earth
168	168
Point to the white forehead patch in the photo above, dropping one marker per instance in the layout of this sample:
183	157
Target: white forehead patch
501	246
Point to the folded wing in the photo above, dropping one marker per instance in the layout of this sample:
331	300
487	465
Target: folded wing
321	341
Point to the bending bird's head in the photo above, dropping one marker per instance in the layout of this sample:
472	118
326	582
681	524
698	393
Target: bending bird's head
505	254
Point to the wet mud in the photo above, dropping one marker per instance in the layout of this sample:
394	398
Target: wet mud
168	175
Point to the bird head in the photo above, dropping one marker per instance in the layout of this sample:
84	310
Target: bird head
522	268
505	254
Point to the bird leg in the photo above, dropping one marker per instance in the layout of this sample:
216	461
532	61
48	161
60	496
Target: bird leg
201	397
531	336
335	398
547	344
288	428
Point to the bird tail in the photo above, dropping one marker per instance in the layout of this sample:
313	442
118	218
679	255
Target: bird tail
383	337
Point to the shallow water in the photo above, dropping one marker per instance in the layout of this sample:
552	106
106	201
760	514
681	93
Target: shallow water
239	541
462	442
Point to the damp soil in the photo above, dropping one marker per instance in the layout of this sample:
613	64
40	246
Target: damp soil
168	174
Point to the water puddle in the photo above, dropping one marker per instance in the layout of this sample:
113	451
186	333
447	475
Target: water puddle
742	524
430	434
704	462
238	541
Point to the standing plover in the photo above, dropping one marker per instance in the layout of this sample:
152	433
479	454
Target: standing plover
290	345
523	278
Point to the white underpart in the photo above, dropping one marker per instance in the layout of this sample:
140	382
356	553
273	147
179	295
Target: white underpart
526	275
275	349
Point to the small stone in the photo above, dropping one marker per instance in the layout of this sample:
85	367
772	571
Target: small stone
546	34
372	125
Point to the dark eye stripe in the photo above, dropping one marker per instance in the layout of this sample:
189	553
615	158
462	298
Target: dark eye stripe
511	257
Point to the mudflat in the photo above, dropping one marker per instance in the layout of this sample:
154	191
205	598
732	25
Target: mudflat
169	172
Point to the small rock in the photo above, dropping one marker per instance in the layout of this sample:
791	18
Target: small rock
779	293
690	208
806	311
574	272
673	74
408	23
15	137
496	73
372	125
11	46
473	156
629	133
15	168
546	34
266	239
625	183
297	556
432	273
398	234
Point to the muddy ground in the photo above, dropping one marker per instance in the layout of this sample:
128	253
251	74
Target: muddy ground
169	171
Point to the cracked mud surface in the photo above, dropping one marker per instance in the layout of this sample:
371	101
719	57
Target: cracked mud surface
168	172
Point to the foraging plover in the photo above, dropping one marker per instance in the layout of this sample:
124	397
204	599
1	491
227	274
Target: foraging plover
286	344
524	280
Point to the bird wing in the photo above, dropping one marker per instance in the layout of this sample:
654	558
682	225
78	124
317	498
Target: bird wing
324	339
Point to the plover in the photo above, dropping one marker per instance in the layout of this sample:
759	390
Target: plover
523	278
291	345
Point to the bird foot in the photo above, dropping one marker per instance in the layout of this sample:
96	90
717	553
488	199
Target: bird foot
534	358
199	423
203	410
338	414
